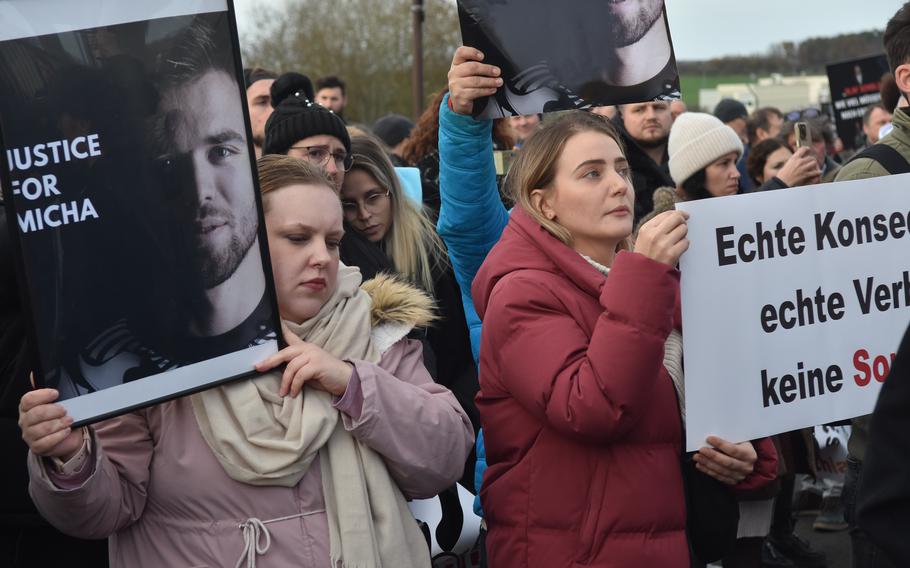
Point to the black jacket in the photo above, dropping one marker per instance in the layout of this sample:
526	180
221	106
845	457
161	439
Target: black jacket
647	176
772	184
450	342
15	506
356	250
26	539
883	500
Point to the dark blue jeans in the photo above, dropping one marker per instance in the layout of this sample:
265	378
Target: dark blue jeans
865	553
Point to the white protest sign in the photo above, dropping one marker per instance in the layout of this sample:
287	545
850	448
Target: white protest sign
793	303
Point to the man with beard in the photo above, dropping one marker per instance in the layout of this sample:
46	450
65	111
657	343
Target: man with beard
210	298
645	129
595	53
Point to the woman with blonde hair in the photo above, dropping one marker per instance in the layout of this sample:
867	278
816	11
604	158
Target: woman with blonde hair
581	359
375	205
306	465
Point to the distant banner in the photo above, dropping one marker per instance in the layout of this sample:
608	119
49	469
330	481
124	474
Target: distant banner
131	198
793	303
560	56
854	88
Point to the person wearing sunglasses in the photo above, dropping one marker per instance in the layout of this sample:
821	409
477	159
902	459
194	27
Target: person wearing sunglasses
304	129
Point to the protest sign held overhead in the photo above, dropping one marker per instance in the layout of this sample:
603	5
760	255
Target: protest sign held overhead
854	88
793	303
132	199
557	56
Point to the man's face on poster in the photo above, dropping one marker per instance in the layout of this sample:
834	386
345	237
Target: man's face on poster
632	19
205	158
589	41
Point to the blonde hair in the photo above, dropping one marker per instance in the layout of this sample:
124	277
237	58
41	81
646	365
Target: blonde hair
411	242
535	167
277	171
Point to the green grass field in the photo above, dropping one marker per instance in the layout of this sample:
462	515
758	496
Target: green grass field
690	85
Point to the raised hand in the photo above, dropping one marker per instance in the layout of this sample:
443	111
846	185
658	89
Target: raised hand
800	169
469	79
663	238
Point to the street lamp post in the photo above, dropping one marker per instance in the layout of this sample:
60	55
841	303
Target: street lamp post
417	17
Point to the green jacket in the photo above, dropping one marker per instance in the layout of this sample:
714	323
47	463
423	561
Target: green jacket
899	139
865	168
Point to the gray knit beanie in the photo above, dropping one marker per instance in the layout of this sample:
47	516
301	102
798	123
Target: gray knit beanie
696	140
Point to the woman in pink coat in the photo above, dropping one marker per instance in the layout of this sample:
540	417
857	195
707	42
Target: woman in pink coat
282	469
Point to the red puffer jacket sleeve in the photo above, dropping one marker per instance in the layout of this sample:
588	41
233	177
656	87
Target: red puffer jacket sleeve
592	385
765	469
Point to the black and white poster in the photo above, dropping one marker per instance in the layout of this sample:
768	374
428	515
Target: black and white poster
854	87
571	55
129	184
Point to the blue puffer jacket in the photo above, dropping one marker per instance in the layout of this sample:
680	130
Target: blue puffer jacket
471	216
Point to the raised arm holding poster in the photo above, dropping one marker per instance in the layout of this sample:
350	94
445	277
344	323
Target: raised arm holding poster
793	304
561	56
130	178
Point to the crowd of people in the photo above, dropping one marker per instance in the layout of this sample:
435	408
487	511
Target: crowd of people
515	329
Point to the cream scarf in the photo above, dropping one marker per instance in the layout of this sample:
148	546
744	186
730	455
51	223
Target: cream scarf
261	438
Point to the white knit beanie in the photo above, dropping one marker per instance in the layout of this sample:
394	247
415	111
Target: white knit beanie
696	140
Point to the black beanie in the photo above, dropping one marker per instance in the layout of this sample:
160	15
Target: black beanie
728	110
392	129
296	116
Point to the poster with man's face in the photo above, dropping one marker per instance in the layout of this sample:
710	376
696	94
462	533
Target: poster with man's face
130	192
576	55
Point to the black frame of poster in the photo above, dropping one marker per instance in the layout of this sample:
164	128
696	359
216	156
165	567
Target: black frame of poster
8	201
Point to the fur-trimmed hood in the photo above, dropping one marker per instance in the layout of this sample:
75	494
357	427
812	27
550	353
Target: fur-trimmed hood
398	307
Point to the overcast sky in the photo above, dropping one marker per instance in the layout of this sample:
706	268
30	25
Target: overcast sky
713	28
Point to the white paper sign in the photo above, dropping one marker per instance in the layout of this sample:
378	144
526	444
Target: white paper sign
793	302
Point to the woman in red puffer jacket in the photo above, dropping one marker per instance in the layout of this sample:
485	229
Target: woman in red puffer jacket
582	420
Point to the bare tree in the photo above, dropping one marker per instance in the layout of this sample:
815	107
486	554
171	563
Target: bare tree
365	42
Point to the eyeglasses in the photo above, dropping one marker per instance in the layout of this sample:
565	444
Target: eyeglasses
371	202
320	155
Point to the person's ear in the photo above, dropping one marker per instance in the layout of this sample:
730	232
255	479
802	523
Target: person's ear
540	201
902	78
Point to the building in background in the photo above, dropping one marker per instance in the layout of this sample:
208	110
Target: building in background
785	93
